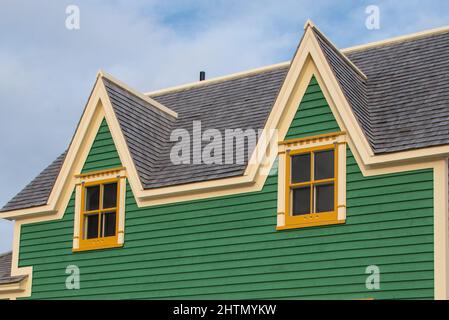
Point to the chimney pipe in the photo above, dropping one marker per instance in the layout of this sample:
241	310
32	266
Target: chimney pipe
202	75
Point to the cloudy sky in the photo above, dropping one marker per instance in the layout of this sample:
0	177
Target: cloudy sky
46	70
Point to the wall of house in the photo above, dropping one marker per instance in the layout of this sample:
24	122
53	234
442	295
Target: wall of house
228	248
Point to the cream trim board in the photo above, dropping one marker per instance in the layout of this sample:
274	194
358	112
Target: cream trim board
218	79
122	211
281	189
26	284
408	37
9	288
76	218
342	56
441	230
341	182
12	290
144	97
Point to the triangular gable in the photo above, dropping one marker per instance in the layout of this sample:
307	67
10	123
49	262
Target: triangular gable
103	154
97	115
309	61
314	116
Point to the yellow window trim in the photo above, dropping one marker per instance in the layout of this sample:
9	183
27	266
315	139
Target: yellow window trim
311	219
99	178
333	141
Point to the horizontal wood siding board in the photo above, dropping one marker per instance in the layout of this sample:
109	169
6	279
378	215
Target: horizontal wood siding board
228	248
103	154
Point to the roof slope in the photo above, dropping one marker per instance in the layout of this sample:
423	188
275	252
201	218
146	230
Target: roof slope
37	191
408	92
241	103
353	85
145	127
5	270
399	93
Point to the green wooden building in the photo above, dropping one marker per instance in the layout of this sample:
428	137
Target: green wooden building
325	177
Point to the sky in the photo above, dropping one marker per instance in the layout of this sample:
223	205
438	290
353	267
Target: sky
48	70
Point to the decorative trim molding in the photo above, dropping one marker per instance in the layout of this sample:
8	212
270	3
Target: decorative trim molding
312	139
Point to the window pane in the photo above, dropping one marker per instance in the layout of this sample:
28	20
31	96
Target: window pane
324	164
92	198
324	197
301	201
108	224
301	168
110	195
91	226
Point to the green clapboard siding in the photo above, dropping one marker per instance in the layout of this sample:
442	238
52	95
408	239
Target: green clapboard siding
313	116
103	154
228	248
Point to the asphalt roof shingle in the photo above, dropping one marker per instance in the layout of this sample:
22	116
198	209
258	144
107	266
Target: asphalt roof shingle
408	92
240	103
5	270
37	191
353	85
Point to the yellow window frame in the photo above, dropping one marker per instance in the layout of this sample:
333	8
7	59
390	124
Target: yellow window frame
313	218
99	242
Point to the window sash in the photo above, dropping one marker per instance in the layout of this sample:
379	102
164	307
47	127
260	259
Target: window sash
99	212
312	217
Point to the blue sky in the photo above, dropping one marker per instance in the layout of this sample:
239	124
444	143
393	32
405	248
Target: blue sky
47	71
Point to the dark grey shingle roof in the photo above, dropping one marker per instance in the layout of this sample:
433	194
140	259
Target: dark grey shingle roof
37	191
408	92
240	103
351	82
5	270
145	127
243	102
403	104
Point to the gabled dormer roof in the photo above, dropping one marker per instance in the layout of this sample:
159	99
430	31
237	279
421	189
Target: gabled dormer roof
352	81
396	90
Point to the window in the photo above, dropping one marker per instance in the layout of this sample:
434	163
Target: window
309	183
99	207
312	182
99	211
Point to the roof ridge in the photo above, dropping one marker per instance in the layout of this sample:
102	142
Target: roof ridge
219	79
338	51
308	23
398	39
137	94
339	63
